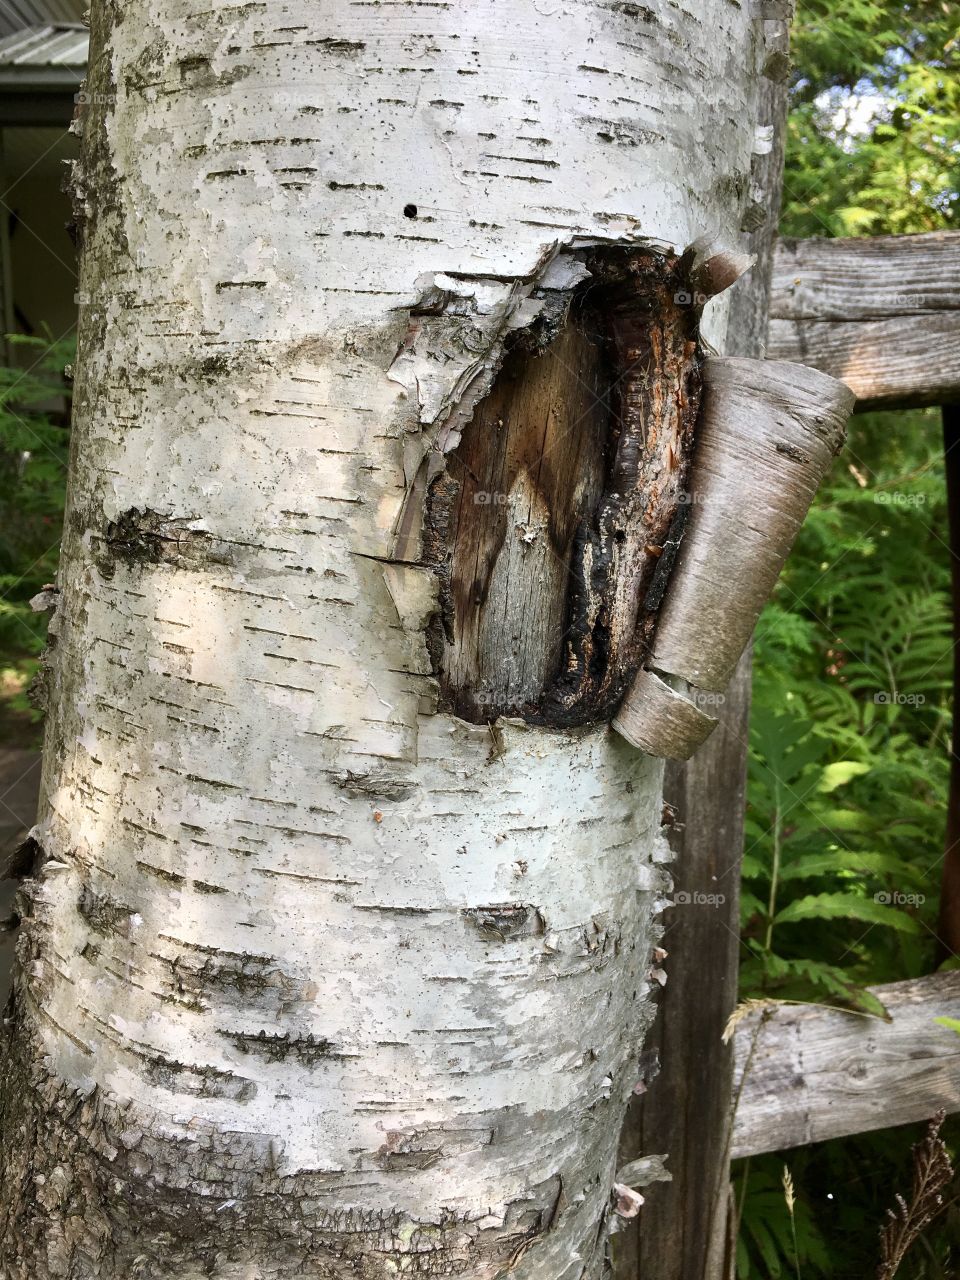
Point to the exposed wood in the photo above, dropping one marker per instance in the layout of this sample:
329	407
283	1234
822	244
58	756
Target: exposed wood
948	926
549	528
880	313
816	1073
528	472
689	1116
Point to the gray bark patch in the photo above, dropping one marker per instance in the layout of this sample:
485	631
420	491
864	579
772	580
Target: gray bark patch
105	914
506	921
278	1047
145	537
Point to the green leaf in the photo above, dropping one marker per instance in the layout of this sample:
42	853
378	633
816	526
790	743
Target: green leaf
849	862
847	820
840	773
850	906
743	1260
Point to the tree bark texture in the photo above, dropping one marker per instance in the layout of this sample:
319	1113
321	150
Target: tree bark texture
338	920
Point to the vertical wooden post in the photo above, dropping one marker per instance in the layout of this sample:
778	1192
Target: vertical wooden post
686	1109
686	1112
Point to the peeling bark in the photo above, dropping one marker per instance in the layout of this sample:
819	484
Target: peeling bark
768	433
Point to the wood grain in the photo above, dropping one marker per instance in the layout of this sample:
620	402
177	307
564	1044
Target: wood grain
550	530
526	475
880	313
685	1112
817	1074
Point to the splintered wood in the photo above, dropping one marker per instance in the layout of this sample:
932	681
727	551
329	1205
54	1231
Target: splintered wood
550	528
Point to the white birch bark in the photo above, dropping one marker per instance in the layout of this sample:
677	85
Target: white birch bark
318	980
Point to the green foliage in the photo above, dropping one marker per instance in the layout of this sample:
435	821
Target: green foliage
849	760
850	735
34	437
844	1188
849	774
767	1232
873	143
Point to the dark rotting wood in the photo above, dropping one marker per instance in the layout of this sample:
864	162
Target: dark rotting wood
554	525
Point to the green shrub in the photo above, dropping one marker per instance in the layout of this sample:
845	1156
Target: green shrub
34	441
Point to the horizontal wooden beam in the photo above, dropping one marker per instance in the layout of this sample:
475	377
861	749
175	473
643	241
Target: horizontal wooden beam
881	313
815	1073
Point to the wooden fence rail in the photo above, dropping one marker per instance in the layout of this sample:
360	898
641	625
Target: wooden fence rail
814	1073
881	313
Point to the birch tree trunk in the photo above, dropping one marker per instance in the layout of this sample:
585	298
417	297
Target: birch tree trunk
338	925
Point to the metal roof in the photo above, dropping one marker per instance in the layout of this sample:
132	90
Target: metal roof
17	14
60	45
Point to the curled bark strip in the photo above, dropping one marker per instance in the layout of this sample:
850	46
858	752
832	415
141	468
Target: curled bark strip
766	437
720	270
555	523
627	1202
661	721
644	1171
